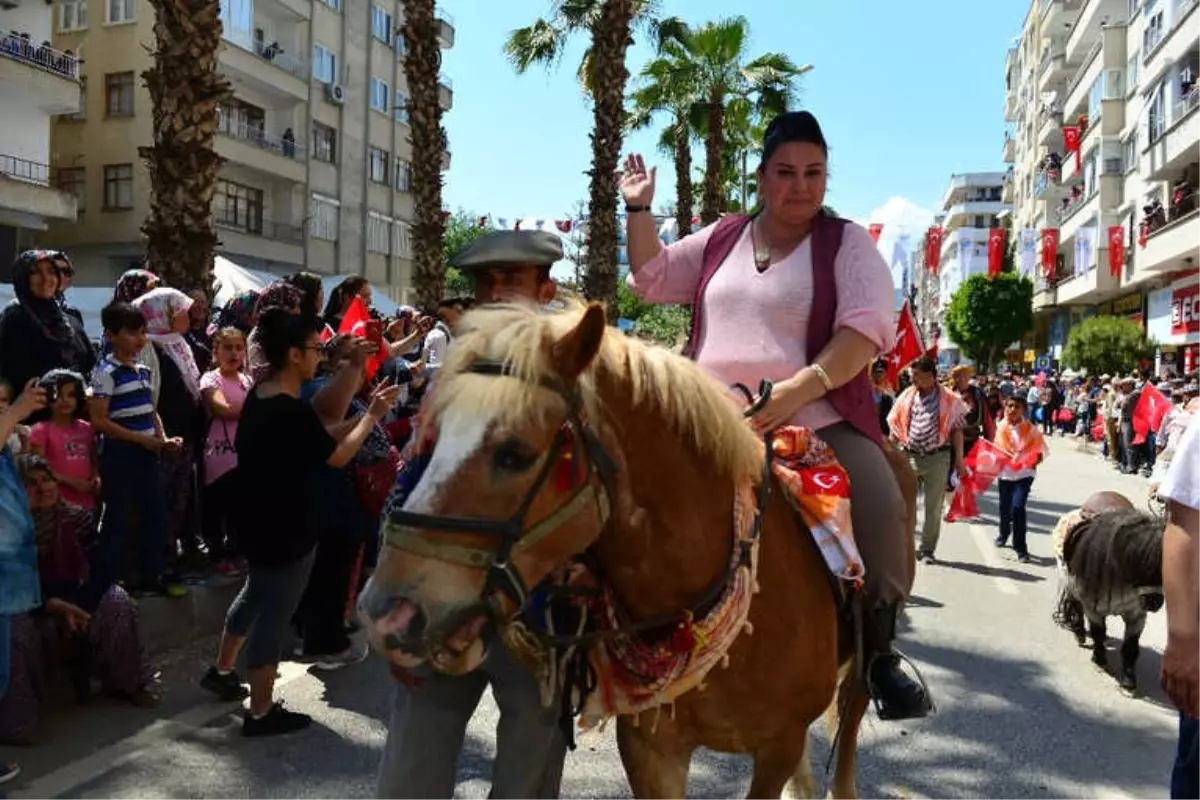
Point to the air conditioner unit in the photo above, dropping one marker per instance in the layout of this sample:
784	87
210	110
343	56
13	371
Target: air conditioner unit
335	93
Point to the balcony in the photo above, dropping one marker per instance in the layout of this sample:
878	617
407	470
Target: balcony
445	93
1050	125
1075	98
445	26
288	77
1007	189
1011	104
260	239
251	146
1173	142
1008	151
28	189
45	78
1093	285
1045	295
1053	68
1169	43
1170	247
1092	17
1057	14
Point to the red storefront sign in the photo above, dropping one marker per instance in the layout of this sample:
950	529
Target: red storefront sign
1185	310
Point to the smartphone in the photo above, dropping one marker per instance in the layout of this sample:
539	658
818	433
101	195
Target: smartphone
51	388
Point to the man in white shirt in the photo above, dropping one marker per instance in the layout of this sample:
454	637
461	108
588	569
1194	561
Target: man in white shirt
1181	587
438	339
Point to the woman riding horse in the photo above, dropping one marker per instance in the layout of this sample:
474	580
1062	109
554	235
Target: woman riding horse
804	299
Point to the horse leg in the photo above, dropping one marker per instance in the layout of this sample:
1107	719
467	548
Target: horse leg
1075	620
1099	633
803	783
852	702
1135	623
776	763
656	765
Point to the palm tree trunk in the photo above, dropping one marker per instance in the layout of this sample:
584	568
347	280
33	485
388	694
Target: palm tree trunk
186	91
683	177
714	161
610	39
429	145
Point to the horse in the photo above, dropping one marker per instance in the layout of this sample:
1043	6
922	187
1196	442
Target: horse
1109	558
637	456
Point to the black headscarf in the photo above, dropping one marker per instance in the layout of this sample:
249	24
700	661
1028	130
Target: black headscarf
48	313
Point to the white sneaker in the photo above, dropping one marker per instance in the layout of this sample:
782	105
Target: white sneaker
353	654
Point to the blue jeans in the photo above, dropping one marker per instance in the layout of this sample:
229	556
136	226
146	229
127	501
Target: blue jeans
1013	497
1185	774
5	651
130	479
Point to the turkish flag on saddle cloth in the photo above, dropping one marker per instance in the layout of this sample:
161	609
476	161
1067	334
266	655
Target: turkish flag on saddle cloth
357	322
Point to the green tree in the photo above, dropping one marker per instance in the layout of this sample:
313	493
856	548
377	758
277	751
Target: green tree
461	230
986	315
1107	344
666	324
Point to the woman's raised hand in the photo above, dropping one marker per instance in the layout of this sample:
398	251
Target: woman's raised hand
383	399
635	183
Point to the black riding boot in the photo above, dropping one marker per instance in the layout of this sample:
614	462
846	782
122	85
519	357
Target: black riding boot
896	695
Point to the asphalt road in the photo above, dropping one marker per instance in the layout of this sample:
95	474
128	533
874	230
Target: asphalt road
1021	712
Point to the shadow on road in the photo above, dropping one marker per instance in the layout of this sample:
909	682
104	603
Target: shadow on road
995	572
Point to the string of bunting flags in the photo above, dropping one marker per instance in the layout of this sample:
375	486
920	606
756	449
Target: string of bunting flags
565	225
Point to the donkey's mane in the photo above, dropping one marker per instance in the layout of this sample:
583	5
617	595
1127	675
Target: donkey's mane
693	405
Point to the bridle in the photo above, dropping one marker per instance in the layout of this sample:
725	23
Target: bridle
407	530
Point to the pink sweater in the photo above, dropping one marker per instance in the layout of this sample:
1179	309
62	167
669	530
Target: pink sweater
755	325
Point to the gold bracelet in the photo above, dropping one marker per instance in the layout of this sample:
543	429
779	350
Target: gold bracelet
823	375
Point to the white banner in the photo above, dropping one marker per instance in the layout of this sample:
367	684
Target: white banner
1084	251
1029	241
966	249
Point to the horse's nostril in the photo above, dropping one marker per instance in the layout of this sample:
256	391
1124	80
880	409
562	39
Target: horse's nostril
395	618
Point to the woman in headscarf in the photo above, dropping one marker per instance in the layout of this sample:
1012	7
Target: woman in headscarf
313	291
134	283
178	405
239	312
36	335
278	295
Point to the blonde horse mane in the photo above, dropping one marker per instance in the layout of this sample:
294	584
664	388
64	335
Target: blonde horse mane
694	405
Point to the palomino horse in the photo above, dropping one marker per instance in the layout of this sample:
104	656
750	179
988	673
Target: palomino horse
520	392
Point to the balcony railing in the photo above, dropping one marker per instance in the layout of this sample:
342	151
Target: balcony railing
1074	204
273	54
44	57
20	169
1083	68
259	227
288	147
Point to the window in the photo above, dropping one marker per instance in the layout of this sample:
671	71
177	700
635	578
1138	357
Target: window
377	165
118	186
401	45
401	239
403	175
324	143
238	206
1094	95
379	233
379	95
1156	115
401	107
323	218
72	16
1152	35
118	94
324	65
119	11
1129	151
336	5
1131	73
72	181
381	24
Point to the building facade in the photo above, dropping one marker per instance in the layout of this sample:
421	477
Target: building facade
1122	73
315	138
37	82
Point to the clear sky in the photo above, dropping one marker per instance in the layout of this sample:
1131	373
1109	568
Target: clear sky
907	94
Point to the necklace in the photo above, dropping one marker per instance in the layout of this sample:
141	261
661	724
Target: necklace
762	255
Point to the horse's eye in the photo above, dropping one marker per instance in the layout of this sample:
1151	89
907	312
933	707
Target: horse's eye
512	456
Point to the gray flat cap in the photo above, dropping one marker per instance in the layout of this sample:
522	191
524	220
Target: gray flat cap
510	248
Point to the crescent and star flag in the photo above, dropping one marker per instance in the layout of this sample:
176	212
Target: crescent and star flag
933	248
1049	250
563	225
984	463
357	322
908	347
995	251
875	229
1148	413
1071	138
1116	250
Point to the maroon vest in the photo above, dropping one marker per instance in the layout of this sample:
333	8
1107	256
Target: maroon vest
854	400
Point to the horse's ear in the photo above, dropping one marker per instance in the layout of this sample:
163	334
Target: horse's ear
572	353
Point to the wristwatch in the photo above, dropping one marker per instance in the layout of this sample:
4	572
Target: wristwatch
635	209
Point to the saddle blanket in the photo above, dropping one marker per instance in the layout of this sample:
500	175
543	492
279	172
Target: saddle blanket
819	486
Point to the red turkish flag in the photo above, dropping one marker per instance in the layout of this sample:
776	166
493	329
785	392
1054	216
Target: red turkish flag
1071	135
984	464
1116	250
908	347
483	222
875	229
995	251
1049	250
933	249
563	225
1148	413
517	227
357	322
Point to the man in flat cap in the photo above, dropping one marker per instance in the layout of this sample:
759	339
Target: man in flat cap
431	710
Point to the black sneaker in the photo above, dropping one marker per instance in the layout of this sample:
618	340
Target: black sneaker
277	720
227	687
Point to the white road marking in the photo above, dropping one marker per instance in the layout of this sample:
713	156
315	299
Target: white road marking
459	437
63	780
984	541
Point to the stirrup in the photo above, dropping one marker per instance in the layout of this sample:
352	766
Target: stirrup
895	651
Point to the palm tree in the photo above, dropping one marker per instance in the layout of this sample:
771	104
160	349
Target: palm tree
713	59
421	64
603	76
186	91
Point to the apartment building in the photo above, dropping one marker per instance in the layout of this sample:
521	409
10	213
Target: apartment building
36	83
1122	72
315	137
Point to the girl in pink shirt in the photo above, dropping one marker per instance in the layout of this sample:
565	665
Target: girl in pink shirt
67	442
224	390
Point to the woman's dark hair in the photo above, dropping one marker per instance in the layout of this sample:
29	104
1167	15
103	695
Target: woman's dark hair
925	364
310	287
792	126
30	463
279	332
59	378
342	294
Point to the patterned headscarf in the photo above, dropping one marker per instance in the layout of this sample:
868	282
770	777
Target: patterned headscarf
239	312
279	295
160	307
133	284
